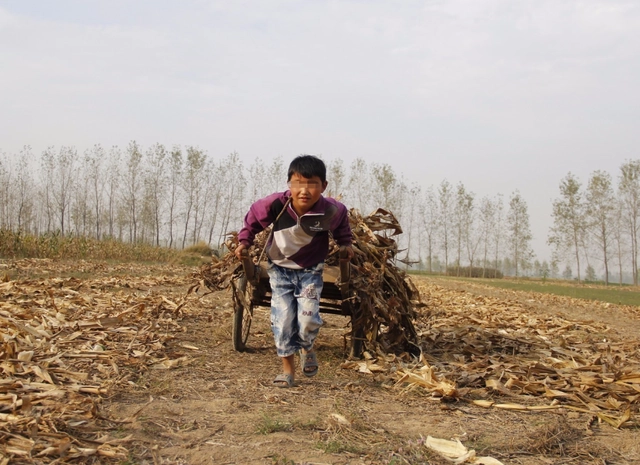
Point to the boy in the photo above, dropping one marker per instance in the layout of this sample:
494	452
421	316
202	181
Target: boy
302	219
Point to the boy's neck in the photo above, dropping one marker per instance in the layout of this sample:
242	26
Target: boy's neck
299	211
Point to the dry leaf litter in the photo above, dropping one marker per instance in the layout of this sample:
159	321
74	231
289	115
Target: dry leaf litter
497	354
69	342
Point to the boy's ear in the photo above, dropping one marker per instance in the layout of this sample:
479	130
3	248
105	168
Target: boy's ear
324	185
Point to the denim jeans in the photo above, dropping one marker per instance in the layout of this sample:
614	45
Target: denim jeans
295	307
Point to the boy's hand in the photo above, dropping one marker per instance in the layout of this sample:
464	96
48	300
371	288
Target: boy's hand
239	249
346	252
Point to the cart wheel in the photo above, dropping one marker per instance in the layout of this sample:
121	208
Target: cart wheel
241	318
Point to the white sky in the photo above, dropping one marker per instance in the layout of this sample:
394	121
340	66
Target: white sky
497	94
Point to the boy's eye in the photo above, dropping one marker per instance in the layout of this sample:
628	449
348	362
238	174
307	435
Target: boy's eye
302	184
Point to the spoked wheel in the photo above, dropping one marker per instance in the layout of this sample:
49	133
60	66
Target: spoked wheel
242	315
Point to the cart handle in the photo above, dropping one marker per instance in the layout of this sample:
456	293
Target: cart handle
345	272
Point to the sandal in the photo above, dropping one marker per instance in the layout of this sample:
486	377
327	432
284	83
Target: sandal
310	364
283	380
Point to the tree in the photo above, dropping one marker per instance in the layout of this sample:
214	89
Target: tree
463	210
445	214
519	231
59	172
192	188
507	266
215	190
619	238
336	177
569	220
266	179
465	215
24	189
113	189
545	270
387	189
81	212
600	208
459	223
629	191
258	179
133	182
487	218
232	194
155	185
276	175
498	229
537	268
174	182
412	207
429	216
359	185
94	164
6	198
47	169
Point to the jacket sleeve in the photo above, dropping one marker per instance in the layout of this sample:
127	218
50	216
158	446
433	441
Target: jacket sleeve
342	231
257	219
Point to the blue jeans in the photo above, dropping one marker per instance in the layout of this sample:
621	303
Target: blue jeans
295	307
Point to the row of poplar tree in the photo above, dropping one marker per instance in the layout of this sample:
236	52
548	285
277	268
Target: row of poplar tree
181	196
596	226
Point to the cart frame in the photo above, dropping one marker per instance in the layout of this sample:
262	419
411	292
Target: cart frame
252	288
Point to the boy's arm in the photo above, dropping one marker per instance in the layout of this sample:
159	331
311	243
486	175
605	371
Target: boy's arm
342	232
257	219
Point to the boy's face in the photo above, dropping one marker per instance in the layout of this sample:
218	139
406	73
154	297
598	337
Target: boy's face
305	192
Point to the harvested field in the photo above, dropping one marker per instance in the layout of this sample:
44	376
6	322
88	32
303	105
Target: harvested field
133	364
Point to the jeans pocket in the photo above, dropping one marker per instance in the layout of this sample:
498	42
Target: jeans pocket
315	269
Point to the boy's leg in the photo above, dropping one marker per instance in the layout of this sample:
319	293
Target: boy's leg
309	320
283	315
289	365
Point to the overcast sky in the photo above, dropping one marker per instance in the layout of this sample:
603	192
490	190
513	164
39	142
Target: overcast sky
496	94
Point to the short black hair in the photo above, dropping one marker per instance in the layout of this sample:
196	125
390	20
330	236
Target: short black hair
308	166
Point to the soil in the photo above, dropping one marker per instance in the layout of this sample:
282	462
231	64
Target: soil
223	409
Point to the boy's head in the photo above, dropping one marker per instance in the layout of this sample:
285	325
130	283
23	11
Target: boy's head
307	179
308	166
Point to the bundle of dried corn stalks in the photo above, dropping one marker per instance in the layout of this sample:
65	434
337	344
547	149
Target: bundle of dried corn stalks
383	297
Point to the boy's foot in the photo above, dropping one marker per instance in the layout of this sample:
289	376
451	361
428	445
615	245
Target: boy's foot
283	380
309	364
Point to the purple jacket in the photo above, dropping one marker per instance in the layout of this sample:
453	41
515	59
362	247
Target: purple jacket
297	242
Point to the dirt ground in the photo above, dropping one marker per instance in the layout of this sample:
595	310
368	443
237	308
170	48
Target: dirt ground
223	408
220	406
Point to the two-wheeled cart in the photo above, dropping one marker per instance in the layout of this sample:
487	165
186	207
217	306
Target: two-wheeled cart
252	288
